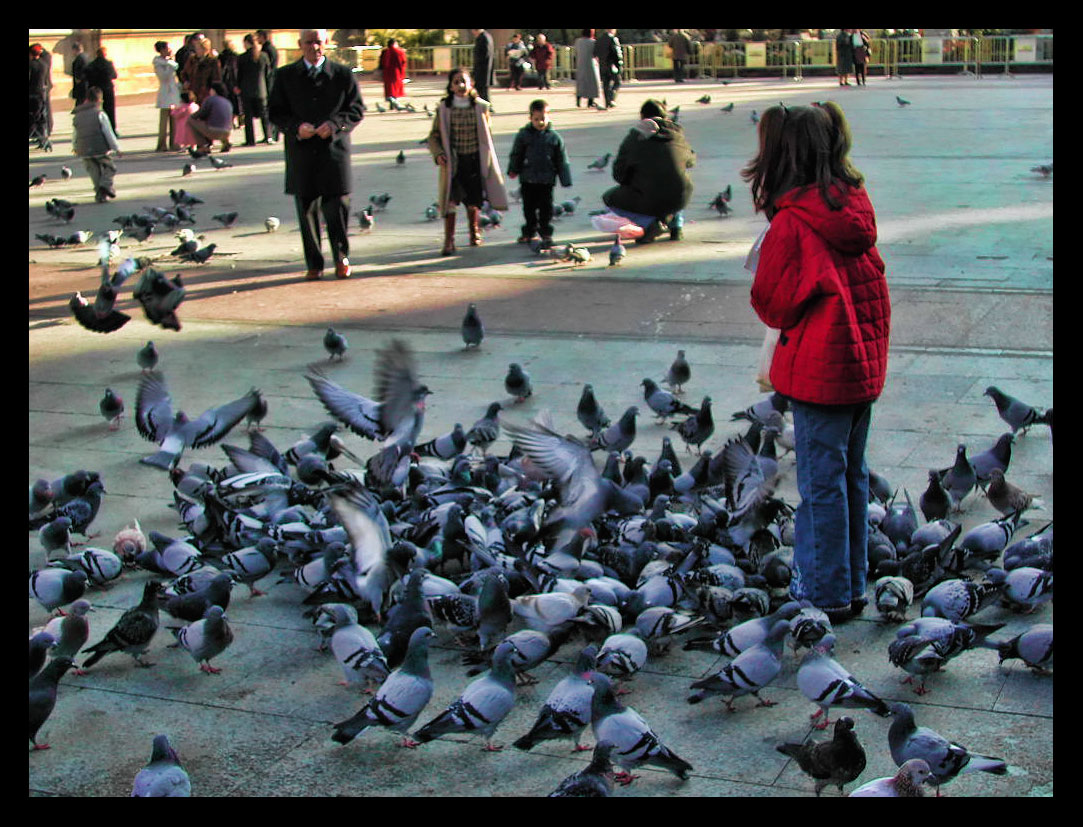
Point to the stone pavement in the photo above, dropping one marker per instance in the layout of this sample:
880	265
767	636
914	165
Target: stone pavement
966	232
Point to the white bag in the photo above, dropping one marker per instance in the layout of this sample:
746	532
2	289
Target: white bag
770	335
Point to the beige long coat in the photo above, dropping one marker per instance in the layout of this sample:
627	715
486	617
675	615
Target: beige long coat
440	144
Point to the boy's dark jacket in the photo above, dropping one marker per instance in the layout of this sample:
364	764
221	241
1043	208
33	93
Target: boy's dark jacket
538	157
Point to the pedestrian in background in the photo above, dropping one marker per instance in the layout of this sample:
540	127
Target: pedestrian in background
461	143
202	69
101	72
93	140
680	45
253	80
538	158
517	54
78	72
588	84
543	54
214	120
266	44
180	114
844	56
39	121
315	103
227	59
393	69
165	67
610	64
820	282
484	63
861	43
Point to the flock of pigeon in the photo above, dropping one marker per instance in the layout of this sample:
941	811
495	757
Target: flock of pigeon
525	556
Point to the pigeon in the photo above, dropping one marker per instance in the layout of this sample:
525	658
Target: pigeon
226	219
38	180
747	634
838	761
197	153
191	606
251	564
356	650
589	413
945	758
622	655
335	344
219	163
906	783
70	632
447	446
188	169
748	673
202	255
163	776
181	197
401	697
1034	647
156	422
935	501
147	357
410	613
576	255
485	431
111	408
592	781
754	117
399	405
160	297
41	644
133	632
1008	498
960	479
893	596
271	223
634	742
380	201
680	372
721	205
258	412
65	172
616	252
365	220
56	587
567	709
101	316
1017	414
901	101
1026	588
544	612
600	163
482	706
619	436
826	683
663	403
206	638
517	383
1044	170
43	690
704	99
432	212
698	428
986	541
473	331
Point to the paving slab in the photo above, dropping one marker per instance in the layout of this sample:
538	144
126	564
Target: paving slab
966	232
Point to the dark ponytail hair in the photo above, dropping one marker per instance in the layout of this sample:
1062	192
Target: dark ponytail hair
801	146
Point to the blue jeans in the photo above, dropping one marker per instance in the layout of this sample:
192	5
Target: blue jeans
831	526
645	221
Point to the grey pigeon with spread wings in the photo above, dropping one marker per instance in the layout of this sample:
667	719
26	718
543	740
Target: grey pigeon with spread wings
156	421
163	776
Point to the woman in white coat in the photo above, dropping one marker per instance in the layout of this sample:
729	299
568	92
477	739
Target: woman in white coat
588	81
165	67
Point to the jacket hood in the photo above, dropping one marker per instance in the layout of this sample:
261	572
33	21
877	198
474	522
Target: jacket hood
851	229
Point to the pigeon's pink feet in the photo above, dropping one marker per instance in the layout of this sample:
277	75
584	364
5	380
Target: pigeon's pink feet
582	748
409	743
491	748
624	778
210	670
42	746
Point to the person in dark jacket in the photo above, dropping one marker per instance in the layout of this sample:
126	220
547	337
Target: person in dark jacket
844	55
101	72
214	120
484	62
263	37
93	140
253	79
315	103
651	169
820	282
543	54
610	64
78	73
39	94
538	158
227	59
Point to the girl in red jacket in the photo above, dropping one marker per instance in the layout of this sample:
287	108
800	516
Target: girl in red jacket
820	282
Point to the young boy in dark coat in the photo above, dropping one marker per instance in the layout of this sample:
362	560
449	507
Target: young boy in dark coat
538	158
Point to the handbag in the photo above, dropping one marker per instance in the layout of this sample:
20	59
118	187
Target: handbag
770	334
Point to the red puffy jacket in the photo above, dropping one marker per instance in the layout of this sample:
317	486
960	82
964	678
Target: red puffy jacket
821	282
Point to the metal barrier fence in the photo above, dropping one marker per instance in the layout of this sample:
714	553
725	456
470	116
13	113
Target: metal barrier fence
719	60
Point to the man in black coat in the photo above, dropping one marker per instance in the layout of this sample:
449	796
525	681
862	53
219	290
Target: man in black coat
78	73
610	64
253	80
101	72
484	68
315	104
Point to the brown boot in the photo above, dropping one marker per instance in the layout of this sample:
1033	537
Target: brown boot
449	235
472	214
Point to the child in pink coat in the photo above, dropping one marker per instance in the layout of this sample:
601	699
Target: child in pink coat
180	113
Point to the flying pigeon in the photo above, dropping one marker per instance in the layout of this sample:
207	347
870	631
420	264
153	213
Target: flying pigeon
906	783
133	632
400	699
335	344
156	422
163	776
945	758
43	690
160	298
838	761
600	163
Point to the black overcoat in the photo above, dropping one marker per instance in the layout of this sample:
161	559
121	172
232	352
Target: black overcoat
316	166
